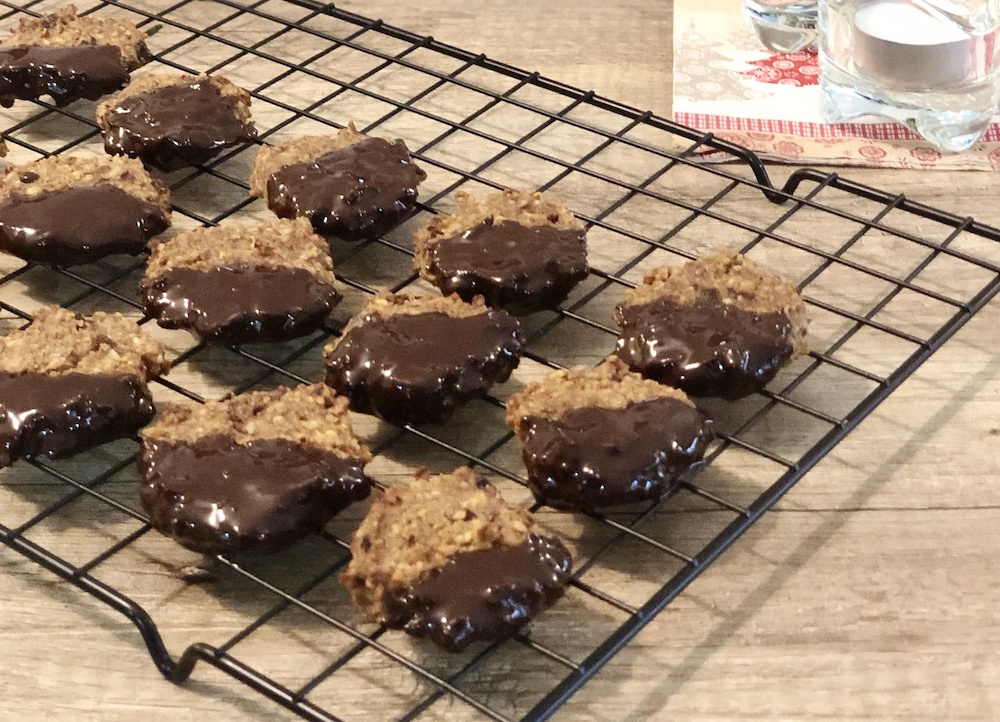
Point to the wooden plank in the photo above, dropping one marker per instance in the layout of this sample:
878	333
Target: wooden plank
871	594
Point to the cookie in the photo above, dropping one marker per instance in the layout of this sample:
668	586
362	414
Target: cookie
240	283
175	121
518	250
410	360
252	473
605	436
717	326
444	557
69	57
69	383
349	185
68	210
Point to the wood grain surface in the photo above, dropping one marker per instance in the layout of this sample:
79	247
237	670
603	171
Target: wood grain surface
872	592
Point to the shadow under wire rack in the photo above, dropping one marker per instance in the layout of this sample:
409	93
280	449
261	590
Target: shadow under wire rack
887	282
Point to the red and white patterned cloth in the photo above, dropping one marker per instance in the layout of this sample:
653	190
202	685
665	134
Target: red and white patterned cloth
727	83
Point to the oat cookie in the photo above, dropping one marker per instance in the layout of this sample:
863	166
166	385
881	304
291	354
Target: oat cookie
717	326
605	436
174	121
349	185
69	57
252	473
519	250
444	557
69	383
66	210
242	282
410	359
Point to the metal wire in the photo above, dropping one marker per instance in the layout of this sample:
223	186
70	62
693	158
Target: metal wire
850	292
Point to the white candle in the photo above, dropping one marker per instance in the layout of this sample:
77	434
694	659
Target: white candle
907	46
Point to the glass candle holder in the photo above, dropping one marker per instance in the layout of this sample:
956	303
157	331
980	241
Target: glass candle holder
931	65
785	26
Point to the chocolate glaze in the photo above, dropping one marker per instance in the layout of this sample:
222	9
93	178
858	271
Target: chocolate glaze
410	369
592	457
77	225
66	73
217	496
519	268
42	415
483	595
357	192
706	348
177	126
239	303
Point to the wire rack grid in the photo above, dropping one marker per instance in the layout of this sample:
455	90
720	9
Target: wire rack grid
887	281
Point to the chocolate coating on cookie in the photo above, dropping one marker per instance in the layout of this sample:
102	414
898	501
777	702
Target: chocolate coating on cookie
240	303
217	496
602	436
68	383
512	266
242	282
706	348
413	368
716	326
253	472
67	74
483	595
445	557
69	57
44	415
77	224
356	192
177	125
593	457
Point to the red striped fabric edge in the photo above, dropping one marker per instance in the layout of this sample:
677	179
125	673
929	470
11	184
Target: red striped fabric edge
844	131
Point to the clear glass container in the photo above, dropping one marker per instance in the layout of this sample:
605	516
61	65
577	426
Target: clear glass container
785	26
931	65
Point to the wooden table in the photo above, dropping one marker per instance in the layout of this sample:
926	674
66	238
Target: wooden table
868	594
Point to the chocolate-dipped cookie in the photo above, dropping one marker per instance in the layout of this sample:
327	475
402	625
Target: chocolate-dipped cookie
69	57
69	383
349	185
65	210
252	473
518	250
240	283
174	121
717	326
605	436
410	360
444	557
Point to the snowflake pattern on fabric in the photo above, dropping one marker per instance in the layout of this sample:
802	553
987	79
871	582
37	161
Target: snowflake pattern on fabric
798	69
703	73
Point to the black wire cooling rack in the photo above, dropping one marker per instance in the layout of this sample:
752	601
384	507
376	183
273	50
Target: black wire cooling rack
887	281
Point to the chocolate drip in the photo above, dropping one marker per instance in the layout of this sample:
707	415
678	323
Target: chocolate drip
65	73
240	303
357	192
707	348
592	457
484	595
420	367
217	496
520	268
177	126
43	415
77	225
